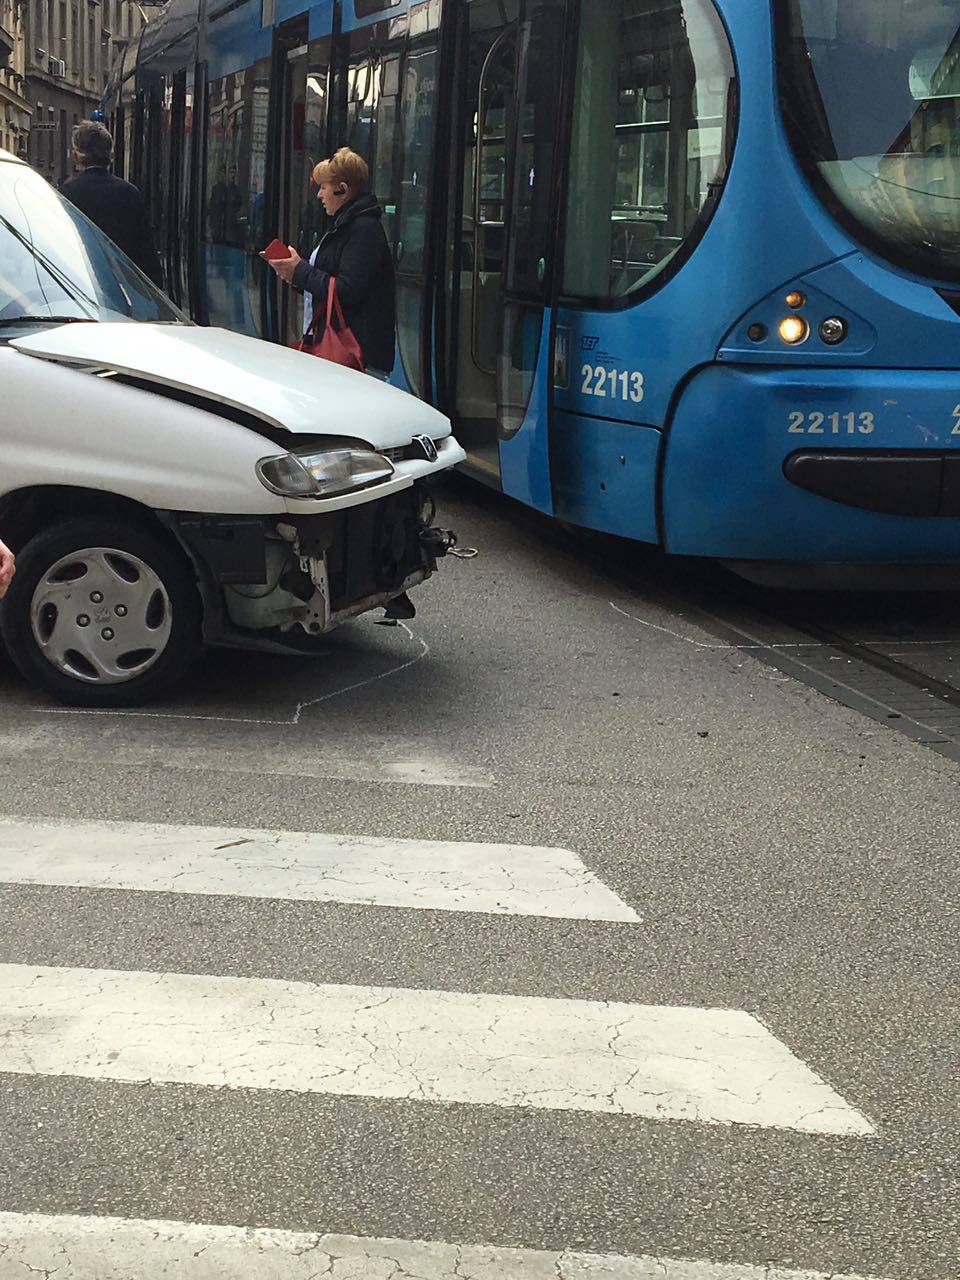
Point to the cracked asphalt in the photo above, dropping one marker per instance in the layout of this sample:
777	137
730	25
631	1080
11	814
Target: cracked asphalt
785	856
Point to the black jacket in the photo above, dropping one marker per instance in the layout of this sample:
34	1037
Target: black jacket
356	254
118	209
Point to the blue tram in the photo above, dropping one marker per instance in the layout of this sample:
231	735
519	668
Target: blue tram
685	271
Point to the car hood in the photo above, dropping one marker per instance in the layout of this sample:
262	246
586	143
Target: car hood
284	388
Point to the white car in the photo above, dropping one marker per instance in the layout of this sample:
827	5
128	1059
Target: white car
165	485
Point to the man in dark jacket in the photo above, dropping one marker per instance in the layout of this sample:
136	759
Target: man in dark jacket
115	206
356	255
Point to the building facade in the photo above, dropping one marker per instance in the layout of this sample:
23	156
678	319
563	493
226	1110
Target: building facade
15	108
70	47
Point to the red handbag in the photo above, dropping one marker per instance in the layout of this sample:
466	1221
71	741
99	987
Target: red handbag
339	343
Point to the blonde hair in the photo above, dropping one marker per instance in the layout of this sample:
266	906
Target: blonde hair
344	166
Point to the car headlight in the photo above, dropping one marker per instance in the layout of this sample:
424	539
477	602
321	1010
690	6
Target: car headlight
323	473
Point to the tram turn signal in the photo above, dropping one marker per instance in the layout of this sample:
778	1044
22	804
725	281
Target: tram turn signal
794	329
795	299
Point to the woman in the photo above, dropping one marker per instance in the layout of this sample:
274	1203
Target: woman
355	256
7	568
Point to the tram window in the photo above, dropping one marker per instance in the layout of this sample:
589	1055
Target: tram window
870	92
419	105
238	106
418	108
373	120
308	146
531	197
651	139
237	157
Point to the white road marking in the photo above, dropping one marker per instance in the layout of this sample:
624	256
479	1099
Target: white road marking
88	1248
360	759
498	879
712	1066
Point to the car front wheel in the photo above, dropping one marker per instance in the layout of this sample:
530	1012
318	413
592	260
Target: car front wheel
101	613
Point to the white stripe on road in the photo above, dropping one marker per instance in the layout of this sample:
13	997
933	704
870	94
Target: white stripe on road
713	1066
80	1248
501	879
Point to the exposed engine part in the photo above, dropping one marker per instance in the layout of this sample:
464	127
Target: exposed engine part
290	599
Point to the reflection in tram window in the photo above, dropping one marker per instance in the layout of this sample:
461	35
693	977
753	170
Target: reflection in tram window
236	175
871	95
391	119
652	130
302	220
418	116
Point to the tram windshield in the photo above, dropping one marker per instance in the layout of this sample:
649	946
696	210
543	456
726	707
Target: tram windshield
870	91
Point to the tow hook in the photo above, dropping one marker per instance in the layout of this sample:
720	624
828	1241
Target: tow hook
437	542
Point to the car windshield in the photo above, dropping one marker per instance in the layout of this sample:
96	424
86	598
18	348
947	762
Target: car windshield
56	265
870	90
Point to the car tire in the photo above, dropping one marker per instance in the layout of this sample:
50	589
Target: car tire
101	613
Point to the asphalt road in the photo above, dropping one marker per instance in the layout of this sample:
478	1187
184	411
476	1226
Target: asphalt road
785	857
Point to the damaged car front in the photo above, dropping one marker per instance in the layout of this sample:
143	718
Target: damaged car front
166	485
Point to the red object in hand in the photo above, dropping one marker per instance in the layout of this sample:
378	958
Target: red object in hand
275	250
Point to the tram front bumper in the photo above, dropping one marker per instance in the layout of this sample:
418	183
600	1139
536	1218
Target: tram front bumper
815	465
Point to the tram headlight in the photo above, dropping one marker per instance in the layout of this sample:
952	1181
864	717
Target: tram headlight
323	473
832	330
795	299
793	330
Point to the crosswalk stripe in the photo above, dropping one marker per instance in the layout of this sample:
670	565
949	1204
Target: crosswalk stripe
502	879
714	1066
90	1248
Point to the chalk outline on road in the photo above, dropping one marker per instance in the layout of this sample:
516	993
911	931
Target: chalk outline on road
293	721
763	644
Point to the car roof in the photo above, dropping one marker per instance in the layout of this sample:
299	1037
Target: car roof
8	155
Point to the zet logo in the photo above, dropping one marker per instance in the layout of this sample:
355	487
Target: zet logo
589	344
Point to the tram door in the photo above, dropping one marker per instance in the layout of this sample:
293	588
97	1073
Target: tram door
502	238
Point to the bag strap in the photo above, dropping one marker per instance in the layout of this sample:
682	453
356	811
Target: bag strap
334	309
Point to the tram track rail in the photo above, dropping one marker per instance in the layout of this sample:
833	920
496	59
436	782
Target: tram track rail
873	677
888	690
884	677
864	675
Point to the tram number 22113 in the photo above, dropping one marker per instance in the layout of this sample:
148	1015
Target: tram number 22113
830	424
617	384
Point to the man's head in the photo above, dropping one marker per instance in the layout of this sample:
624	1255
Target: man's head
341	178
92	145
